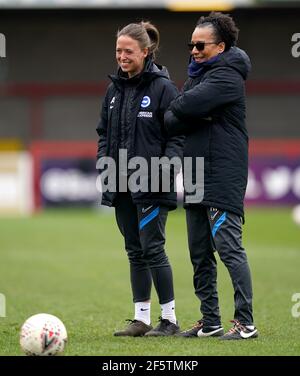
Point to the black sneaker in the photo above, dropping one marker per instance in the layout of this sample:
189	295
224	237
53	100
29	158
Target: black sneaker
199	330
136	328
164	328
239	331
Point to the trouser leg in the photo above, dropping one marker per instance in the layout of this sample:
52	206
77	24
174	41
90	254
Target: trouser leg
226	232
152	221
204	263
127	220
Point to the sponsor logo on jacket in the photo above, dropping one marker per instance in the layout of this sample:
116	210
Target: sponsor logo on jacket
145	114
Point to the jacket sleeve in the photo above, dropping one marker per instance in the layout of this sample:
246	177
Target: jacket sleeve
222	86
102	129
173	126
174	143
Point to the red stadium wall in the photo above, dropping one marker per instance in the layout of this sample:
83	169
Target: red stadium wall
37	94
274	173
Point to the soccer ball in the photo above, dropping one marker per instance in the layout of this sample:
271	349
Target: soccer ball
43	335
296	214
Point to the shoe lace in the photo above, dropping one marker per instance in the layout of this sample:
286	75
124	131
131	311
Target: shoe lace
237	327
131	321
197	325
163	321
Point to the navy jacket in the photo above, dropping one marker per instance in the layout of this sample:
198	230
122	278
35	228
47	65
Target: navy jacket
132	118
211	113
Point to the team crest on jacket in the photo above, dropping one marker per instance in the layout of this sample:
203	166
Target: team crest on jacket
146	101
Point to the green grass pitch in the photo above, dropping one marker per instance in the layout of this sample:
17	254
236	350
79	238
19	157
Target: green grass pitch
72	264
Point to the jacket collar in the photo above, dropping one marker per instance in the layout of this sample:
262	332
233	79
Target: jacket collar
150	72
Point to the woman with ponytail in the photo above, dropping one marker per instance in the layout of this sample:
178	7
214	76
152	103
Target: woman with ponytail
132	123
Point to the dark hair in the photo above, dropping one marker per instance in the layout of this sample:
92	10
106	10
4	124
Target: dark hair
223	26
144	33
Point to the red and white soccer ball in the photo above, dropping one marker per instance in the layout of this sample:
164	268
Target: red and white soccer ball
43	335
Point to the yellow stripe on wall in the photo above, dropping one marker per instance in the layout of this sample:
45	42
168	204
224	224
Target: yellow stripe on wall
10	144
202	5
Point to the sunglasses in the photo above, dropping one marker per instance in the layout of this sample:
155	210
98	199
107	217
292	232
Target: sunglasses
199	45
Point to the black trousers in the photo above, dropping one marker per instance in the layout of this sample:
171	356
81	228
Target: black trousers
209	230
143	229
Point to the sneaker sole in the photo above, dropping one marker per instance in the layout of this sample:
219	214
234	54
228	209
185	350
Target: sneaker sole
128	335
160	334
229	338
185	336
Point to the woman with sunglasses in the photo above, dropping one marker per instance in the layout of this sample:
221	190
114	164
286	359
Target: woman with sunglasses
211	113
132	122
